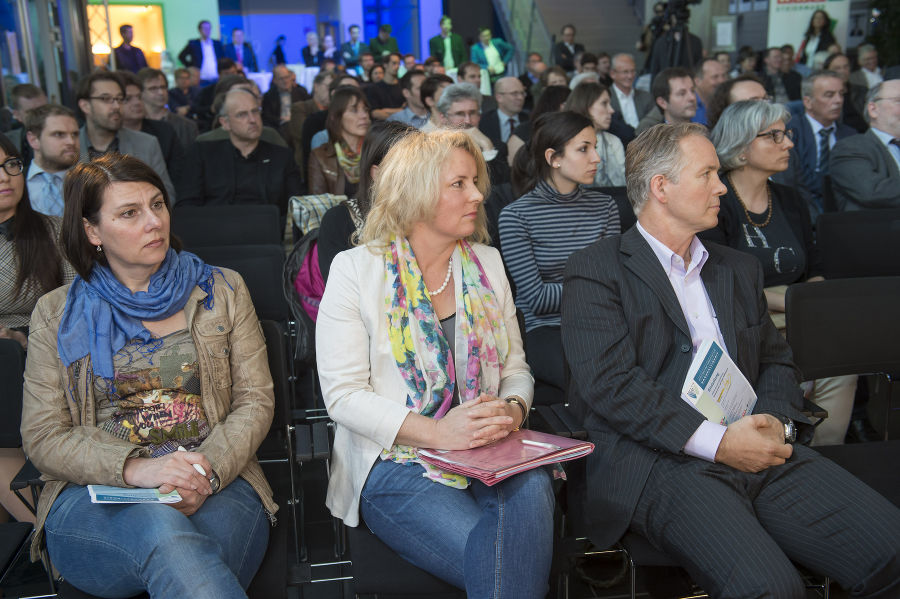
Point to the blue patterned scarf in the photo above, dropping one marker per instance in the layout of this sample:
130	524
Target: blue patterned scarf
102	314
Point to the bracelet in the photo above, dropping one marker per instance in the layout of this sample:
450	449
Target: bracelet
515	400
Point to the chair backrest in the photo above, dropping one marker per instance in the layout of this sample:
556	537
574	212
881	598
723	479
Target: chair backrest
260	266
236	224
12	367
626	212
862	243
276	348
844	326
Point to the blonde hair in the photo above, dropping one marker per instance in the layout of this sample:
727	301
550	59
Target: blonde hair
408	185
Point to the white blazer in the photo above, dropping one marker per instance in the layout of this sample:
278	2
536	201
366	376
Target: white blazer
364	392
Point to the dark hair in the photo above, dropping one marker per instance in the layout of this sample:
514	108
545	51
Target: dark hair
122	29
150	74
377	65
809	29
550	100
86	83
38	262
36	118
431	84
179	72
660	87
202	22
381	136
322	76
431	60
354	26
698	70
538	54
338	105
128	78
583	97
386	27
554	69
552	130
826	66
366	54
588	57
83	191
444	18
788	47
483	29
225	64
463	67
397	54
340	80
406	82
722	98
746	52
568	26
28	91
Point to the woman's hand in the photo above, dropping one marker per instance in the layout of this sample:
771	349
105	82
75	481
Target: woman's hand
475	423
190	500
175	470
6	333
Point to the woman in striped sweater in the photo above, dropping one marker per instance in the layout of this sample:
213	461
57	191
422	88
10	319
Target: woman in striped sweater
555	216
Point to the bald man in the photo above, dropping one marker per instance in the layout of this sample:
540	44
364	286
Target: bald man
276	103
498	124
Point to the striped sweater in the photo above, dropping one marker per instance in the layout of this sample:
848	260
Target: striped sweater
538	233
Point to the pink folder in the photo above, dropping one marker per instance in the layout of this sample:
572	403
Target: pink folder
519	451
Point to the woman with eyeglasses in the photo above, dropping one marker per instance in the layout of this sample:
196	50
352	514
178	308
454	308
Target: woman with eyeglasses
30	266
771	221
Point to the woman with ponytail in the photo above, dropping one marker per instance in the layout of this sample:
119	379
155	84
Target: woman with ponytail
555	216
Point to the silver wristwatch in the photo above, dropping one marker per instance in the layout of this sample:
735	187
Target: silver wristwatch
214	482
790	430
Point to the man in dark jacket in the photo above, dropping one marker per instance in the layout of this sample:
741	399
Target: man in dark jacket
447	46
203	53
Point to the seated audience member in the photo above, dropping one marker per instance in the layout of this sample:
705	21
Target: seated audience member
747	59
555	217
409	63
865	169
636	308
414	113
724	59
424	238
633	104
31	265
301	110
181	365
531	78
135	118
771	222
868	74
854	95
385	96
552	99
23	98
499	124
816	132
431	91
241	52
242	169
52	133
100	98
375	73
708	76
155	97
552	76
744	87
563	54
334	167
343	224
284	92
317	119
592	101
202	108
604	64
433	66
676	102
217	133
490	53
312	51
780	86
469	72
183	95
366	61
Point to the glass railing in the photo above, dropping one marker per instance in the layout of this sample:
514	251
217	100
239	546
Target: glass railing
526	27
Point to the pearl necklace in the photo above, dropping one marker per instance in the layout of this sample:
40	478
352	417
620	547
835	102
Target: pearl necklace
446	280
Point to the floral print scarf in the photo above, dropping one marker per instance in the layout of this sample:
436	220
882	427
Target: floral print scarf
423	354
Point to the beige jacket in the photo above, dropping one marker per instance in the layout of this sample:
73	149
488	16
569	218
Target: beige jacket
59	429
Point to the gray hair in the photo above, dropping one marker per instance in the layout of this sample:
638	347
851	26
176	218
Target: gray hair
223	110
656	151
456	93
871	96
865	49
810	81
739	125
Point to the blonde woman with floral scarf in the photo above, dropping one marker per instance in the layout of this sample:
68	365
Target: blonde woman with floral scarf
418	346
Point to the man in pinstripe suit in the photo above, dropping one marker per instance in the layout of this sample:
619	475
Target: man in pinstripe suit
734	505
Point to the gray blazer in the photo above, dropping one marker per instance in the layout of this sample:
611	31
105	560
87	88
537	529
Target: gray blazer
629	348
864	174
142	146
643	102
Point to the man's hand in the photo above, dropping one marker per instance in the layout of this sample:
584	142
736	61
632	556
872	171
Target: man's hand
190	501
754	443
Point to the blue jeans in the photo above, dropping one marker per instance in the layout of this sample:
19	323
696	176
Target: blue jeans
494	542
122	550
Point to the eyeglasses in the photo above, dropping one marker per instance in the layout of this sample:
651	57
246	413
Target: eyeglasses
894	100
517	94
13	166
778	135
108	99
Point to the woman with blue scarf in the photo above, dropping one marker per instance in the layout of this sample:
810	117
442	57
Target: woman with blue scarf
149	371
418	346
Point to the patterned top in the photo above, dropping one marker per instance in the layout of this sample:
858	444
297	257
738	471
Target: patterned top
154	398
15	309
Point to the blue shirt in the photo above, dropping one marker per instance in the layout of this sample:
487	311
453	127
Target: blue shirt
893	150
45	190
410	118
700	115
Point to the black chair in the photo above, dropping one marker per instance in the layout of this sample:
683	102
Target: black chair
237	224
862	243
12	367
847	326
260	266
829	201
627	219
14	542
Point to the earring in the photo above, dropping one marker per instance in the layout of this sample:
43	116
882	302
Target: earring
556	165
99	249
743	159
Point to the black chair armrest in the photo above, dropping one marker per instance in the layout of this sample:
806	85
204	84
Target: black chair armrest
567	417
303	448
544	419
28	476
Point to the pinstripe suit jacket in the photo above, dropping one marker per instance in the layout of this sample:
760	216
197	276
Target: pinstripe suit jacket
629	348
